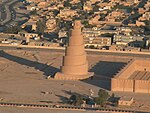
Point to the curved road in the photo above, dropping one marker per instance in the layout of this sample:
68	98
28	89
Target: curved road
6	10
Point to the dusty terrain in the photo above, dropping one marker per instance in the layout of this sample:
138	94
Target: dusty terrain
23	76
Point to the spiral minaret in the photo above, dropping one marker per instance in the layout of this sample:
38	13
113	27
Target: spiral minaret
75	64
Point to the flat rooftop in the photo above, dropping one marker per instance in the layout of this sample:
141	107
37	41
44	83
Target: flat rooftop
136	69
140	75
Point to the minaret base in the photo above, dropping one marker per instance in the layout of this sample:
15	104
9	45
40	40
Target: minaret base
61	76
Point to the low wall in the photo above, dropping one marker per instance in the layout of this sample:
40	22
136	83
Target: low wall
129	68
94	50
142	86
126	85
110	23
28	46
122	85
135	65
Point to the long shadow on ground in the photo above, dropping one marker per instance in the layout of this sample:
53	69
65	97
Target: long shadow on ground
47	70
107	68
103	72
65	99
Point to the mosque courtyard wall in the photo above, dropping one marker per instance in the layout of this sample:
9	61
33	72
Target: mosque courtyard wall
135	77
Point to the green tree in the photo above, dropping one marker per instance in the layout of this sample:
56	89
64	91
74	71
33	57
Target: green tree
83	1
41	26
148	46
147	24
76	100
113	95
85	23
79	5
55	12
107	35
92	47
102	17
143	44
34	12
67	3
13	29
95	8
102	97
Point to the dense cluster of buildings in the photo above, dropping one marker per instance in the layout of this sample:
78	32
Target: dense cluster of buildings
112	24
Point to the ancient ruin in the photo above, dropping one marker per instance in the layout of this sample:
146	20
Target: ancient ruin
135	77
75	64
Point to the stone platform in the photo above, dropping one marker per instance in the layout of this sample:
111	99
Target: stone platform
61	76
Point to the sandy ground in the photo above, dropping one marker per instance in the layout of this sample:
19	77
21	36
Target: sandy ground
23	76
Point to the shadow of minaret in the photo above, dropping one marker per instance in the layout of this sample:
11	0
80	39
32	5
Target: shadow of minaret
47	70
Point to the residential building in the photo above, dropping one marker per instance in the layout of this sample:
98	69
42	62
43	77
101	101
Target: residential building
125	101
98	42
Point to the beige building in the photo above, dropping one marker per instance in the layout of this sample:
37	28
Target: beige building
87	7
43	44
138	23
74	1
32	22
51	25
34	1
28	35
116	1
67	13
125	39
98	41
115	16
96	32
62	34
93	36
42	4
125	101
31	7
134	77
95	20
145	16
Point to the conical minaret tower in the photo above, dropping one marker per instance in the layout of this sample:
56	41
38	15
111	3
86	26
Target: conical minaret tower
75	64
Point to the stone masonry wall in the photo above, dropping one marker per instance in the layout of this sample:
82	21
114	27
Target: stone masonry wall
122	82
